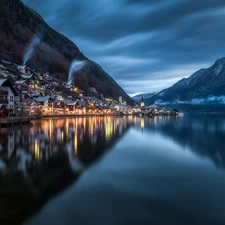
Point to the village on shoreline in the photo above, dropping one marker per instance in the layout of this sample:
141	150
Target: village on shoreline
26	94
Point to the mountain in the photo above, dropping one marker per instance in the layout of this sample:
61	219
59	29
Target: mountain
138	98
23	28
204	87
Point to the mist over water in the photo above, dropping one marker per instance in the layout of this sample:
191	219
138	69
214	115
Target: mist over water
35	41
76	65
196	101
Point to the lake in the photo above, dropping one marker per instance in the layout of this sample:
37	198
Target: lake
114	170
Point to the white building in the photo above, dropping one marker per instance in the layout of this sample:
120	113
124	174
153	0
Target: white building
120	99
7	94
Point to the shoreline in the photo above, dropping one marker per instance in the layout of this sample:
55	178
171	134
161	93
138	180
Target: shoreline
25	120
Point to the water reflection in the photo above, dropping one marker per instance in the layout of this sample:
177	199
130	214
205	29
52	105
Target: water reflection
41	160
48	137
149	177
51	152
203	134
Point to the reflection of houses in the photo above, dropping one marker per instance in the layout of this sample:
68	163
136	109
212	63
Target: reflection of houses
7	94
31	156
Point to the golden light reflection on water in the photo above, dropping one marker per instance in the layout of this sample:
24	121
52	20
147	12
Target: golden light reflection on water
85	137
62	135
67	128
142	124
85	121
50	130
75	143
36	149
48	137
108	130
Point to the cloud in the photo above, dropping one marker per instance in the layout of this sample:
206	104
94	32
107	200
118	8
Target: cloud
139	40
197	101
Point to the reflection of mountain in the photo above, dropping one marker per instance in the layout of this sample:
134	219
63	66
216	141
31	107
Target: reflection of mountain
202	134
39	161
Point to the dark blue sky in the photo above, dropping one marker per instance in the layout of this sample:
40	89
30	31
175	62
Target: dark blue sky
145	45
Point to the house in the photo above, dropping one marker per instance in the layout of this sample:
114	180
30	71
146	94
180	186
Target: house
121	108
21	68
33	106
22	106
43	103
59	96
71	106
28	77
35	94
92	89
7	94
22	85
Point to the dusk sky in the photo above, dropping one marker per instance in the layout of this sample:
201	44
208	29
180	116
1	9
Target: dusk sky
145	45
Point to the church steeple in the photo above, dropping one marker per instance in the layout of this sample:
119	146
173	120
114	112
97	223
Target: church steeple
142	101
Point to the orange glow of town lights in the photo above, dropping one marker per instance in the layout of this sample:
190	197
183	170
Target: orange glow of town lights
36	149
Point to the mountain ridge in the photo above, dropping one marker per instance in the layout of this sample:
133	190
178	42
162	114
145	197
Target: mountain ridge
206	85
138	98
55	52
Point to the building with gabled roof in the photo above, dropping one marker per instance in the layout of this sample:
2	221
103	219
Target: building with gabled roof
22	85
7	94
42	101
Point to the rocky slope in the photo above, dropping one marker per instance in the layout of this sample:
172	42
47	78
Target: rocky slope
54	52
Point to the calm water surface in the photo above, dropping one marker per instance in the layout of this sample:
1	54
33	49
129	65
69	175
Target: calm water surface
109	170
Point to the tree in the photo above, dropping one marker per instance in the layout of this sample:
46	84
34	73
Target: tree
36	84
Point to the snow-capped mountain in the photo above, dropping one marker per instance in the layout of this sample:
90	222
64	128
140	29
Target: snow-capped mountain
203	87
